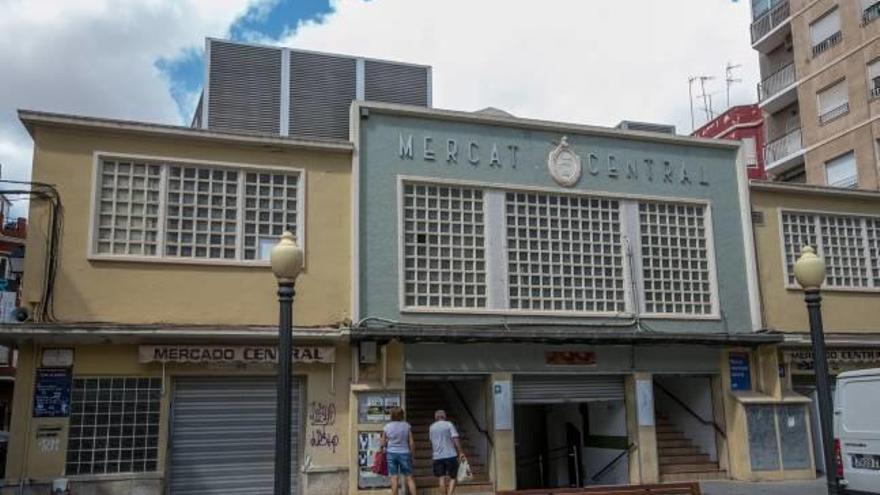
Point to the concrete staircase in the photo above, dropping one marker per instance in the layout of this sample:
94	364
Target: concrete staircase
422	399
680	459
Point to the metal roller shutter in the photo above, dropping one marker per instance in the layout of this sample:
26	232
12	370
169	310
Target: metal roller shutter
223	436
548	389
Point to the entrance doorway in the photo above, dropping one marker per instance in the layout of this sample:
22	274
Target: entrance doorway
569	431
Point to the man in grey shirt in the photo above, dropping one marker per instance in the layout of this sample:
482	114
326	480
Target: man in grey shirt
446	451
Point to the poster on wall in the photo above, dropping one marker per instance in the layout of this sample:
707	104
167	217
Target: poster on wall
52	393
740	371
376	407
368	445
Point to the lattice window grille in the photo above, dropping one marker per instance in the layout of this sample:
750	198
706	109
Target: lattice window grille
443	247
564	253
128	208
872	227
114	425
158	209
270	209
201	212
675	259
798	230
844	251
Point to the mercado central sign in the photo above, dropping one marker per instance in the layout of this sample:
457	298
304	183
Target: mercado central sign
196	354
563	158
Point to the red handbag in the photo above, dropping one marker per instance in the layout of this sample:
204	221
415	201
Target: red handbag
380	463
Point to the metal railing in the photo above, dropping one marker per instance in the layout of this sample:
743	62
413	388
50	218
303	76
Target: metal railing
781	147
776	82
690	411
471	414
607	469
772	18
875	92
871	13
827	43
834	113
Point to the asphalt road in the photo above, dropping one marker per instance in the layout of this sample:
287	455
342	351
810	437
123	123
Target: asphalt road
816	487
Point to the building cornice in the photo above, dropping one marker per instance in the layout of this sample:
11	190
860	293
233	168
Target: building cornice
365	108
788	187
34	119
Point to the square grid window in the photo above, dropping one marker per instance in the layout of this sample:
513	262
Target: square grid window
873	228
201	212
270	209
443	247
675	259
128	208
114	425
798	230
844	251
564	253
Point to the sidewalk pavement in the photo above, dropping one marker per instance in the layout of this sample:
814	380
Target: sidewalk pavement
815	487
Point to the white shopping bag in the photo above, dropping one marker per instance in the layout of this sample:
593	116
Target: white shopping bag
464	472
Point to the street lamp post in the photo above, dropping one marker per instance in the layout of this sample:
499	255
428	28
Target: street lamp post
809	270
286	259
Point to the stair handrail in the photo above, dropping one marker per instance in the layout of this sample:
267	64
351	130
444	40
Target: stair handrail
690	411
470	413
602	472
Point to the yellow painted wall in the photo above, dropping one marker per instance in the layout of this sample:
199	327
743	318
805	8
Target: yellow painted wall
324	387
138	292
784	308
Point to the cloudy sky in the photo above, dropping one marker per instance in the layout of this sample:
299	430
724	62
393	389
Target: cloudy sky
586	61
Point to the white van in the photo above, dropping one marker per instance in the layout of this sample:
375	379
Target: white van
857	430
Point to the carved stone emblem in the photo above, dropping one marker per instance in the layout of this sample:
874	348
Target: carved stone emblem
564	164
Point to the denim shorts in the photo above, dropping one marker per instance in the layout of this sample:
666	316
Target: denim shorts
399	464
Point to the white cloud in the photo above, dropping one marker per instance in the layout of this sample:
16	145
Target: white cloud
95	57
596	61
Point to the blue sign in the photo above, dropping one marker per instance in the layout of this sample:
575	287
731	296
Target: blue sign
52	393
740	371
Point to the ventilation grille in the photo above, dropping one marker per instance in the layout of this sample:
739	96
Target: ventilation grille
322	88
244	88
646	127
394	83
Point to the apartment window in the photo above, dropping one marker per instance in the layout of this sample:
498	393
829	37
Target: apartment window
825	32
750	150
675	259
870	11
874	78
178	210
443	247
114	425
833	102
564	253
848	243
841	171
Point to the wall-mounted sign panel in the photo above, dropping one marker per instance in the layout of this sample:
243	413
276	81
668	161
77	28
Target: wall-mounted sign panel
52	393
502	397
375	407
839	360
196	354
740	371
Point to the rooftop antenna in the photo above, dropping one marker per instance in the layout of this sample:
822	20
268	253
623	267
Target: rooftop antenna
691	100
707	104
729	79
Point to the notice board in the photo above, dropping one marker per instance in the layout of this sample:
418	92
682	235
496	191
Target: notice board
52	393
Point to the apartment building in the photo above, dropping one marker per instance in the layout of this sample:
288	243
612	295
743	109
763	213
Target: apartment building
744	123
820	71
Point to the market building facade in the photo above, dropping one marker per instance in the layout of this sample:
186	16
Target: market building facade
555	285
844	227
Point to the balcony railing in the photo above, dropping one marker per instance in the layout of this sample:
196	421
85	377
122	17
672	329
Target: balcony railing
834	113
784	146
827	43
776	82
772	18
871	13
875	92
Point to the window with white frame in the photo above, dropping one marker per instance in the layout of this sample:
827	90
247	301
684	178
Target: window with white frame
564	253
444	255
825	32
675	259
533	251
874	78
179	210
841	171
848	243
114	425
750	150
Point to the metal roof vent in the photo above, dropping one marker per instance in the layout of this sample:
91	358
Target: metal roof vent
646	127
